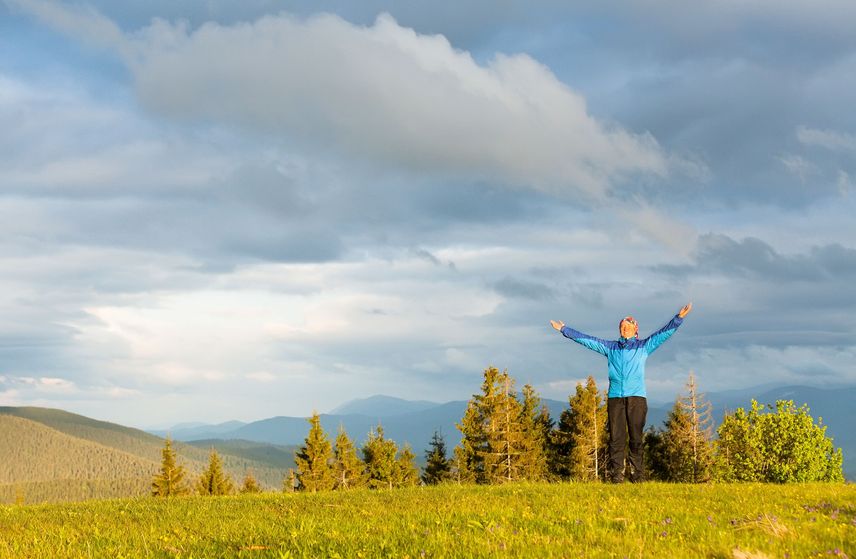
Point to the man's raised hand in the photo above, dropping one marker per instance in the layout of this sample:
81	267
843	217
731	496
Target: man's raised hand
686	310
558	325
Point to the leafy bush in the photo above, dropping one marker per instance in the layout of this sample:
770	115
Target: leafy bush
783	446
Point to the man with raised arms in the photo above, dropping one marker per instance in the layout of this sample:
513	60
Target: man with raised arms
626	404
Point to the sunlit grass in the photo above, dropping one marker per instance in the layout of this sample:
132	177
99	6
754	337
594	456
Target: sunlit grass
532	520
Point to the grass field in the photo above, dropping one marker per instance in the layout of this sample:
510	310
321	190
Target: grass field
528	520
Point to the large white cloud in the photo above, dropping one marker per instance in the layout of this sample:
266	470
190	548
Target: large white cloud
383	93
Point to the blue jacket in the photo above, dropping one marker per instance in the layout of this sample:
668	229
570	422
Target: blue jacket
626	357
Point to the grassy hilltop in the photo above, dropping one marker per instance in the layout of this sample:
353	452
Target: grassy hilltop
529	520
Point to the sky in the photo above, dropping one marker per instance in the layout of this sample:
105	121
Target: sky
236	210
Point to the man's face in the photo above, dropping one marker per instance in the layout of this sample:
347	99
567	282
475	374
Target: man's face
628	327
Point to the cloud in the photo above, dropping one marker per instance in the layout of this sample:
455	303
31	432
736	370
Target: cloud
844	182
524	289
752	365
84	21
829	139
726	26
798	166
44	386
752	257
655	224
261	376
382	93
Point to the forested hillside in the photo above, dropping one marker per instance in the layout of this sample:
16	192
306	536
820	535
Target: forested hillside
275	456
53	455
34	452
69	490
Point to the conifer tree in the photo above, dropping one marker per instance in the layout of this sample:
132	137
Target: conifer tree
504	433
170	480
289	481
379	453
687	445
533	451
561	444
481	424
213	481
437	466
494	445
588	433
348	469
468	462
407	474
463	470
314	459
546	425
250	485
654	454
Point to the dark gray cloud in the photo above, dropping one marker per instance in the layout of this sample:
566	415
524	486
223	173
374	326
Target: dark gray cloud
751	257
523	289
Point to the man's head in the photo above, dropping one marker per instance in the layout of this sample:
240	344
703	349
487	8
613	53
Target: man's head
628	327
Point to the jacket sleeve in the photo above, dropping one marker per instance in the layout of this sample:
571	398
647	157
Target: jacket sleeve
656	339
595	344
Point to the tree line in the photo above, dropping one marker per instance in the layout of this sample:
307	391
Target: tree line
509	436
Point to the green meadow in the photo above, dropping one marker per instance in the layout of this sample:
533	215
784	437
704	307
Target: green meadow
515	520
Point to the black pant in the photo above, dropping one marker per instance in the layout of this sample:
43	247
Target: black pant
623	413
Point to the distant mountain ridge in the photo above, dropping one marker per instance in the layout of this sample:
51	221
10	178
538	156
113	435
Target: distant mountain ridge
196	430
414	422
382	406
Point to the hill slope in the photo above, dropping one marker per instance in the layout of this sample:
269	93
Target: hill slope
51	455
34	452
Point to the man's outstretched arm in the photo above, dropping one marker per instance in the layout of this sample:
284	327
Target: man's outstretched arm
656	339
595	344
